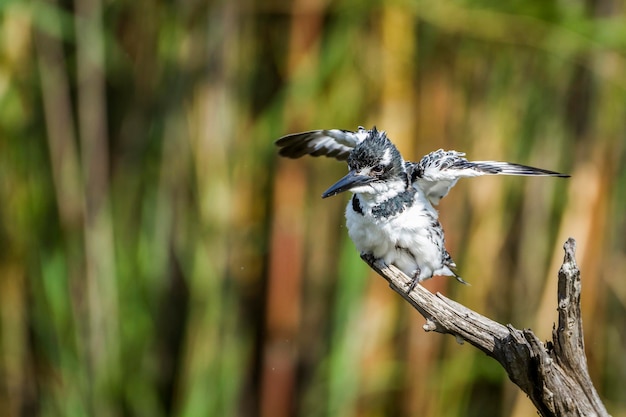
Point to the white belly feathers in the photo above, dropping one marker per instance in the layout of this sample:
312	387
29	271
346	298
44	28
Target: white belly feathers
405	239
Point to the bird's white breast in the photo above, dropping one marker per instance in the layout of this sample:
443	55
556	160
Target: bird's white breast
405	240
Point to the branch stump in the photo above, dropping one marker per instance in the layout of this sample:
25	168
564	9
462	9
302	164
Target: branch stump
554	375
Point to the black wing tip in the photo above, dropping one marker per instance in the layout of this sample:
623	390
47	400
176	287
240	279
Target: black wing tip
295	151
291	146
292	137
545	172
551	174
519	169
289	153
540	171
297	145
280	141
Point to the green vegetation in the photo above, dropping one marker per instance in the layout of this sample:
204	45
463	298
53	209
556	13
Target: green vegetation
159	259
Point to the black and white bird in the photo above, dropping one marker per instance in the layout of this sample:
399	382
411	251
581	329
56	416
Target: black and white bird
391	214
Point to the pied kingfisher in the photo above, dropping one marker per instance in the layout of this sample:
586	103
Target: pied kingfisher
391	214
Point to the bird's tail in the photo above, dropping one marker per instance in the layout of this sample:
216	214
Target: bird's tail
451	266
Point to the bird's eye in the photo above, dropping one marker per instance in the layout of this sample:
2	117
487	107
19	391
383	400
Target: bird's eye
378	169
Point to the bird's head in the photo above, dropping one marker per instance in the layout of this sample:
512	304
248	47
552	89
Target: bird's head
376	167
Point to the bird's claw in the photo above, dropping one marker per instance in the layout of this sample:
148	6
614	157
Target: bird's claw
368	257
415	279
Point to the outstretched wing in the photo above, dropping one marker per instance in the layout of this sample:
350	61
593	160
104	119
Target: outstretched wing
335	143
439	171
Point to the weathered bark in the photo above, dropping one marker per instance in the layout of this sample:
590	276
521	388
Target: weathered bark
554	375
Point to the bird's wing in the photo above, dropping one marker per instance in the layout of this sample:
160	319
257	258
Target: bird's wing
335	143
439	171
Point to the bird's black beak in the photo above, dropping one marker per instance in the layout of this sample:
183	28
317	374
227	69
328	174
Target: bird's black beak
346	183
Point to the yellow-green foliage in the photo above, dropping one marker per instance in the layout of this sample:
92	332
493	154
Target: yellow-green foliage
158	258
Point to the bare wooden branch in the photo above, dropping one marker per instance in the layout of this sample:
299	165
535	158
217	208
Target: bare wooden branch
553	375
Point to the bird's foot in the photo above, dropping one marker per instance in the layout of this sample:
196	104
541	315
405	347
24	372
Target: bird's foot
368	257
414	280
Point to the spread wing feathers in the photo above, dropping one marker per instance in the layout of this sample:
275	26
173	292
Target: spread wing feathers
439	171
334	143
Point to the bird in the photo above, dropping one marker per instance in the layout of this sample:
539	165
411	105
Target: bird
391	215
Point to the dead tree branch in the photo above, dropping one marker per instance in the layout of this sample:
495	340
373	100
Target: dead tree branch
553	375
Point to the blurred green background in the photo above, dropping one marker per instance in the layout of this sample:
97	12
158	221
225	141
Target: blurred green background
159	259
